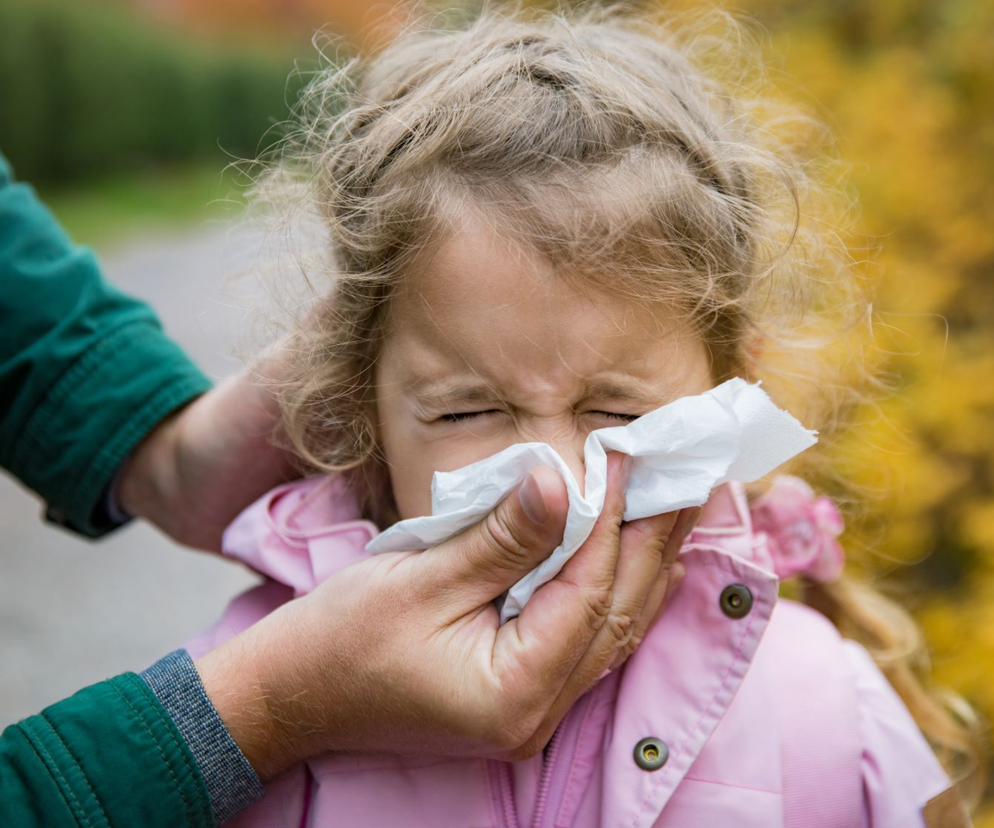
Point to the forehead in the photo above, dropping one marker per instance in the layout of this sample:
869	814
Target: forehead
480	303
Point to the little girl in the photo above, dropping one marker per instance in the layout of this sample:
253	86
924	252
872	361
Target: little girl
538	227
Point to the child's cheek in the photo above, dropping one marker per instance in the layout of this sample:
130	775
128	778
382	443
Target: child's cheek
417	461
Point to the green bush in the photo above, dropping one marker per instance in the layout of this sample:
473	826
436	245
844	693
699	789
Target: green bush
86	90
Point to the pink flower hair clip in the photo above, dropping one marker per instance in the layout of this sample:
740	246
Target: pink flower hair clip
801	530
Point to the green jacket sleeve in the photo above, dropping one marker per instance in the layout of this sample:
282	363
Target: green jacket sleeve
107	756
85	371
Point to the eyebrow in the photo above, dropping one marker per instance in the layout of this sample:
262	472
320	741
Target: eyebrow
604	389
446	392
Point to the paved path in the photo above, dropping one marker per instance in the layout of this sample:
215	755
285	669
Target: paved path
74	612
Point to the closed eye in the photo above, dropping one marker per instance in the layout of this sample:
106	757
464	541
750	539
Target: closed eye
458	416
628	418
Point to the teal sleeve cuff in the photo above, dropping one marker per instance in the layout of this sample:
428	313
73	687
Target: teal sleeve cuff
96	413
85	370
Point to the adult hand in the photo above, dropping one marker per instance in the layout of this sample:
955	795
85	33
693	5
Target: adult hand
205	463
403	652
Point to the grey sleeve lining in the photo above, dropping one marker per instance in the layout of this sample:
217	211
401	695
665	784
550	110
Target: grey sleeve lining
231	782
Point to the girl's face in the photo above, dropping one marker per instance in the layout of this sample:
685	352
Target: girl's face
487	346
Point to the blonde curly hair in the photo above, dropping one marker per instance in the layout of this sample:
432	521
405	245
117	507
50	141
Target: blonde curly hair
649	156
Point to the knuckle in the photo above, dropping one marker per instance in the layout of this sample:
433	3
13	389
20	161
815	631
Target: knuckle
653	534
621	627
627	648
598	603
499	534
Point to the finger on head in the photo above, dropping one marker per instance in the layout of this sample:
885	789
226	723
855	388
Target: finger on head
486	559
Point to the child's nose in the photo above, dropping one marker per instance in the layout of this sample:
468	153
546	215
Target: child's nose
562	432
572	453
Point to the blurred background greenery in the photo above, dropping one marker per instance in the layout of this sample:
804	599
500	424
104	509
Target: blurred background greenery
127	112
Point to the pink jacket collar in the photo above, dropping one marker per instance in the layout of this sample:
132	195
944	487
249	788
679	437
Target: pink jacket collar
301	532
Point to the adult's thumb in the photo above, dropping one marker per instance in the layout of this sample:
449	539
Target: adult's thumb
486	559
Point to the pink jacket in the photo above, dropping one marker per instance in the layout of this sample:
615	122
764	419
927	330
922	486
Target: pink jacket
737	709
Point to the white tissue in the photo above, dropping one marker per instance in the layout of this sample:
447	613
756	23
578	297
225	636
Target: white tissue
680	452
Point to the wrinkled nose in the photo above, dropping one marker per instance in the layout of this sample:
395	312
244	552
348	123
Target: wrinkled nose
560	430
571	451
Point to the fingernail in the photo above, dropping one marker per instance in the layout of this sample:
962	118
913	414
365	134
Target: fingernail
626	471
532	502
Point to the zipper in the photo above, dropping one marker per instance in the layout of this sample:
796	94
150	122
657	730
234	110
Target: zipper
558	763
555	772
545	781
502	786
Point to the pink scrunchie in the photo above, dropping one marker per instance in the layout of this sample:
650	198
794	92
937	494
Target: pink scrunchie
801	530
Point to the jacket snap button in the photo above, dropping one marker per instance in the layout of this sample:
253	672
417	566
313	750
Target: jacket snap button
651	753
736	600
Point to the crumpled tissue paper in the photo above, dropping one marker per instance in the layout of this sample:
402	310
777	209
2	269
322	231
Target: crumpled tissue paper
680	452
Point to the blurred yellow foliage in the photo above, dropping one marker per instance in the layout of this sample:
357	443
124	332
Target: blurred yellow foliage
907	86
